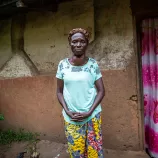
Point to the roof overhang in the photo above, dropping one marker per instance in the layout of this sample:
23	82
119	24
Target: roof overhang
12	7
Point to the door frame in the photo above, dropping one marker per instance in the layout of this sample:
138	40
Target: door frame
137	20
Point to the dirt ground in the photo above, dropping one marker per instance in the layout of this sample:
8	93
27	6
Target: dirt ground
48	149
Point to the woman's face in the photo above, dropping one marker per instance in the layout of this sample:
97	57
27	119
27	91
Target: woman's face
78	44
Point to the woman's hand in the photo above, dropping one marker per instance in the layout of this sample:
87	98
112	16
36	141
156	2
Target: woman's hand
71	114
79	117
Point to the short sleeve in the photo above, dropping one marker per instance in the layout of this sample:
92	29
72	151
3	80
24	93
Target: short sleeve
59	71
97	72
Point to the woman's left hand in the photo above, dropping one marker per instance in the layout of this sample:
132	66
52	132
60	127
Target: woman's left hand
81	116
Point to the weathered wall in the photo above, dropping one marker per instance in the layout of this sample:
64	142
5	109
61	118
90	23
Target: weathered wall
41	38
31	102
44	37
5	41
113	47
50	30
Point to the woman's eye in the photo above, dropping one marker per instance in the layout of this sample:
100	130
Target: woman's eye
74	41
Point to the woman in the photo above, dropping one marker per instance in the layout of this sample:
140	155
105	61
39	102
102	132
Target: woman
80	90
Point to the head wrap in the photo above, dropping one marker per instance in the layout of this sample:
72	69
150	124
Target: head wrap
79	30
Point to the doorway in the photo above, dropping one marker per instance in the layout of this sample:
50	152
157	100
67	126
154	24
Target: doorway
149	75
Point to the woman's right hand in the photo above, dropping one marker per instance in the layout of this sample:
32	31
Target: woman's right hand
71	114
74	116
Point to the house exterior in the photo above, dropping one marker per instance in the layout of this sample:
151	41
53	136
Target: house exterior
31	46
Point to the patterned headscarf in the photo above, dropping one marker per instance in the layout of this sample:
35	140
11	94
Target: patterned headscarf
79	30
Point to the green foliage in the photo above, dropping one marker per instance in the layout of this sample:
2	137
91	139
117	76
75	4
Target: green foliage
9	136
1	117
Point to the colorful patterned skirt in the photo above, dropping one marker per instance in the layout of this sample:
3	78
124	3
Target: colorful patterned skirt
85	141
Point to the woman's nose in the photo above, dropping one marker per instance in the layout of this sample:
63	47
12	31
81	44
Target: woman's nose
78	44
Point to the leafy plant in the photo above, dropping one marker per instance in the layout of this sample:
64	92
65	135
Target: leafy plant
1	117
9	136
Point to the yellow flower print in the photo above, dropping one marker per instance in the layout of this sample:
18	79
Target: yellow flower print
79	144
77	136
96	129
92	153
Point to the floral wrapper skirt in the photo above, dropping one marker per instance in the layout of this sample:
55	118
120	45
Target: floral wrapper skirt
85	141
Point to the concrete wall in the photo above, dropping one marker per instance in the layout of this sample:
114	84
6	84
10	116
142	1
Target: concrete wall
31	102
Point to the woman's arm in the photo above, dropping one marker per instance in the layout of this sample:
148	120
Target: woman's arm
100	94
60	86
